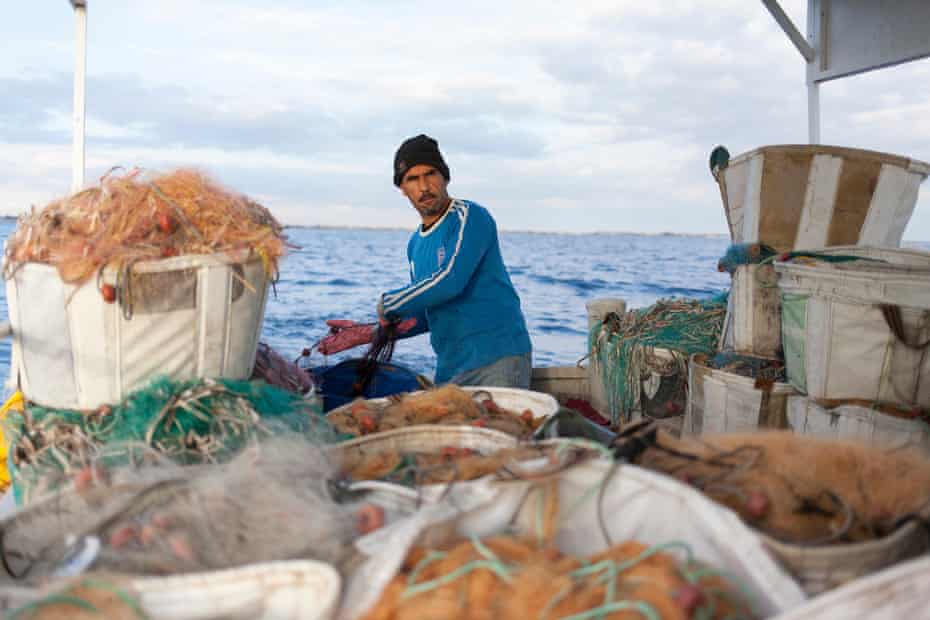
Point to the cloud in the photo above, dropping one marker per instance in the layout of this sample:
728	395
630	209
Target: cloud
596	115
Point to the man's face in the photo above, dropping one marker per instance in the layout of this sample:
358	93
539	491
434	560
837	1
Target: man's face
425	187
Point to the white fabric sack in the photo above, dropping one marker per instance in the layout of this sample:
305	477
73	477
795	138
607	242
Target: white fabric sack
635	504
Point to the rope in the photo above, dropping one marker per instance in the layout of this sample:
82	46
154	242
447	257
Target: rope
196	421
623	346
57	599
744	254
76	601
380	351
605	572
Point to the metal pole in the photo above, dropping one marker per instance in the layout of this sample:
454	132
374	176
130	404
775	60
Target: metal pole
815	39
80	69
813	112
788	27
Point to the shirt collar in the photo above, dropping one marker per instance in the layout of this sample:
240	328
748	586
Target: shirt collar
452	203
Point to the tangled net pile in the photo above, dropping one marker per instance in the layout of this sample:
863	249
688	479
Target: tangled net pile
130	218
272	502
801	490
190	422
623	346
454	464
764	370
506	577
449	404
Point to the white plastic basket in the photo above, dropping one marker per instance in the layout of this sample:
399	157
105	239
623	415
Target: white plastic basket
295	590
291	590
819	569
857	422
424	439
724	402
838	343
801	196
513	399
183	317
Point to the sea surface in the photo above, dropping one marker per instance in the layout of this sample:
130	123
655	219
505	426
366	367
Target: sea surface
340	273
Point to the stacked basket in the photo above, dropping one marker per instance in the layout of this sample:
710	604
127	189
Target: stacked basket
784	199
857	343
850	323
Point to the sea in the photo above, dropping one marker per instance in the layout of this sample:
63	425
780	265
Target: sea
340	274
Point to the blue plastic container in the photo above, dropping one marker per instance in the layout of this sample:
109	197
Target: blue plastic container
335	382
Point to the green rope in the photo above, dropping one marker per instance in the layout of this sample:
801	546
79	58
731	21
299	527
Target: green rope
621	345
827	258
55	599
485	552
496	567
431	557
196	421
124	596
606	572
695	575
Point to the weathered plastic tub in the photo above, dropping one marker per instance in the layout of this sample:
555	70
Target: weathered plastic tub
293	590
423	439
724	402
876	425
753	322
819	569
812	195
183	317
513	399
897	592
837	325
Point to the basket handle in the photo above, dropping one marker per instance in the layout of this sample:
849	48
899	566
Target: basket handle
892	316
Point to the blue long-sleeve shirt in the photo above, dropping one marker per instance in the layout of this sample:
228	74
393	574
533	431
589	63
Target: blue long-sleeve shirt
460	286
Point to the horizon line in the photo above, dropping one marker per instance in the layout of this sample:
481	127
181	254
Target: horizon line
517	230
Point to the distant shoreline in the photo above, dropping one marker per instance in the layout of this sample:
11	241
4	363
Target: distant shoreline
606	233
513	230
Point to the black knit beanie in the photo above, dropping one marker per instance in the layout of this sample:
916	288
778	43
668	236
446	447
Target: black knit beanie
415	151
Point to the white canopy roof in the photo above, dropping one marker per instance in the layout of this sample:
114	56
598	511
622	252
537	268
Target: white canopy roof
848	37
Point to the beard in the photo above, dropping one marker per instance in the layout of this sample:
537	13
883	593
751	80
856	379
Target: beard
431	205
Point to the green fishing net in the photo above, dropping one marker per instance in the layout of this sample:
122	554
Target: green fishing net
202	421
622	345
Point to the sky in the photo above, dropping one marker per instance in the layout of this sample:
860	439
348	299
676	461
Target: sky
583	116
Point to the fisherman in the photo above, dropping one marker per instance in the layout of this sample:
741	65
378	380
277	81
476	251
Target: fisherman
459	288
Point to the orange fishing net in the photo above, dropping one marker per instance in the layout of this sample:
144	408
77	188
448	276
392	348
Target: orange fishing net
105	596
801	489
506	577
450	463
131	217
449	404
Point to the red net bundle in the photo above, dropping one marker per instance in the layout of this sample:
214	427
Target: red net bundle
134	216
